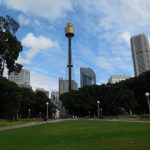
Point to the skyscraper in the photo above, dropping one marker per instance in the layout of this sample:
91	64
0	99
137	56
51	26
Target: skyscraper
22	79
140	53
87	77
64	85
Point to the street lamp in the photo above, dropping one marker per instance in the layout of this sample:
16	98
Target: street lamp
47	110
101	112
29	113
147	95
89	113
98	102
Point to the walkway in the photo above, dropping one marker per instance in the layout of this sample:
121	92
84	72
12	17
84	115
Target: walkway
31	124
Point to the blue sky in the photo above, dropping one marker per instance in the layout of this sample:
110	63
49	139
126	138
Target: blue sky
102	36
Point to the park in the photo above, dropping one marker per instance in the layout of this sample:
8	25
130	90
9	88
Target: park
79	134
110	110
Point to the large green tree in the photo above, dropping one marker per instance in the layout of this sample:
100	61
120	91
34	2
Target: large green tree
40	106
9	99
10	46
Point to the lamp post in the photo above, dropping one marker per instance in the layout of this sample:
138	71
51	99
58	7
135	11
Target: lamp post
101	112
147	95
47	110
29	113
89	113
98	102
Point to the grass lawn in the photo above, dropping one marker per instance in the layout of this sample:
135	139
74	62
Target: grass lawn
20	122
78	135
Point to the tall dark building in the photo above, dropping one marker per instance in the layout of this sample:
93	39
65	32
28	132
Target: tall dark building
87	77
140	53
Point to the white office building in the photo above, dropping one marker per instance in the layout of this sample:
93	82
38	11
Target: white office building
55	97
56	102
117	78
22	79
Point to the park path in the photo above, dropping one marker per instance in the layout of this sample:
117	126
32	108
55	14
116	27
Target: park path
59	120
138	121
31	124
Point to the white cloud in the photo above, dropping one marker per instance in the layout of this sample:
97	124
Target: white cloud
22	60
104	63
45	8
116	16
39	80
125	37
23	20
36	45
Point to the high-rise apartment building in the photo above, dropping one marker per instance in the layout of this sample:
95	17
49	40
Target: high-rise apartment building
64	86
140	53
87	77
22	79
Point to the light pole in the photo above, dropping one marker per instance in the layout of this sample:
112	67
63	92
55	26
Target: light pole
29	113
101	112
147	95
39	114
89	113
98	102
47	110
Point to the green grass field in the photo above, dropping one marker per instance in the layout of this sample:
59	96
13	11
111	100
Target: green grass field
78	135
20	122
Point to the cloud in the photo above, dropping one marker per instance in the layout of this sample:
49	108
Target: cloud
22	60
125	37
36	45
39	80
117	16
23	20
44	8
103	62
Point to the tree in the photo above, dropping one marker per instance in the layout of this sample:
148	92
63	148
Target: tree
28	98
9	99
40	107
10	46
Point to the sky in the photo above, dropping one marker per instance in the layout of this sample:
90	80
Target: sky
102	36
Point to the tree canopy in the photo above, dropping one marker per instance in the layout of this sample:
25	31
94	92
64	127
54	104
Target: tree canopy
10	46
115	99
16	101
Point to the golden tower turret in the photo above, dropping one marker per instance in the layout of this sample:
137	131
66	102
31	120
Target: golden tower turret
69	30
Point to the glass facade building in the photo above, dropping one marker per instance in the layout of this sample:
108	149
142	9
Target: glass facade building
140	53
87	77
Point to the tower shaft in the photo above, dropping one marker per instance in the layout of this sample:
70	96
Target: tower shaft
69	63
